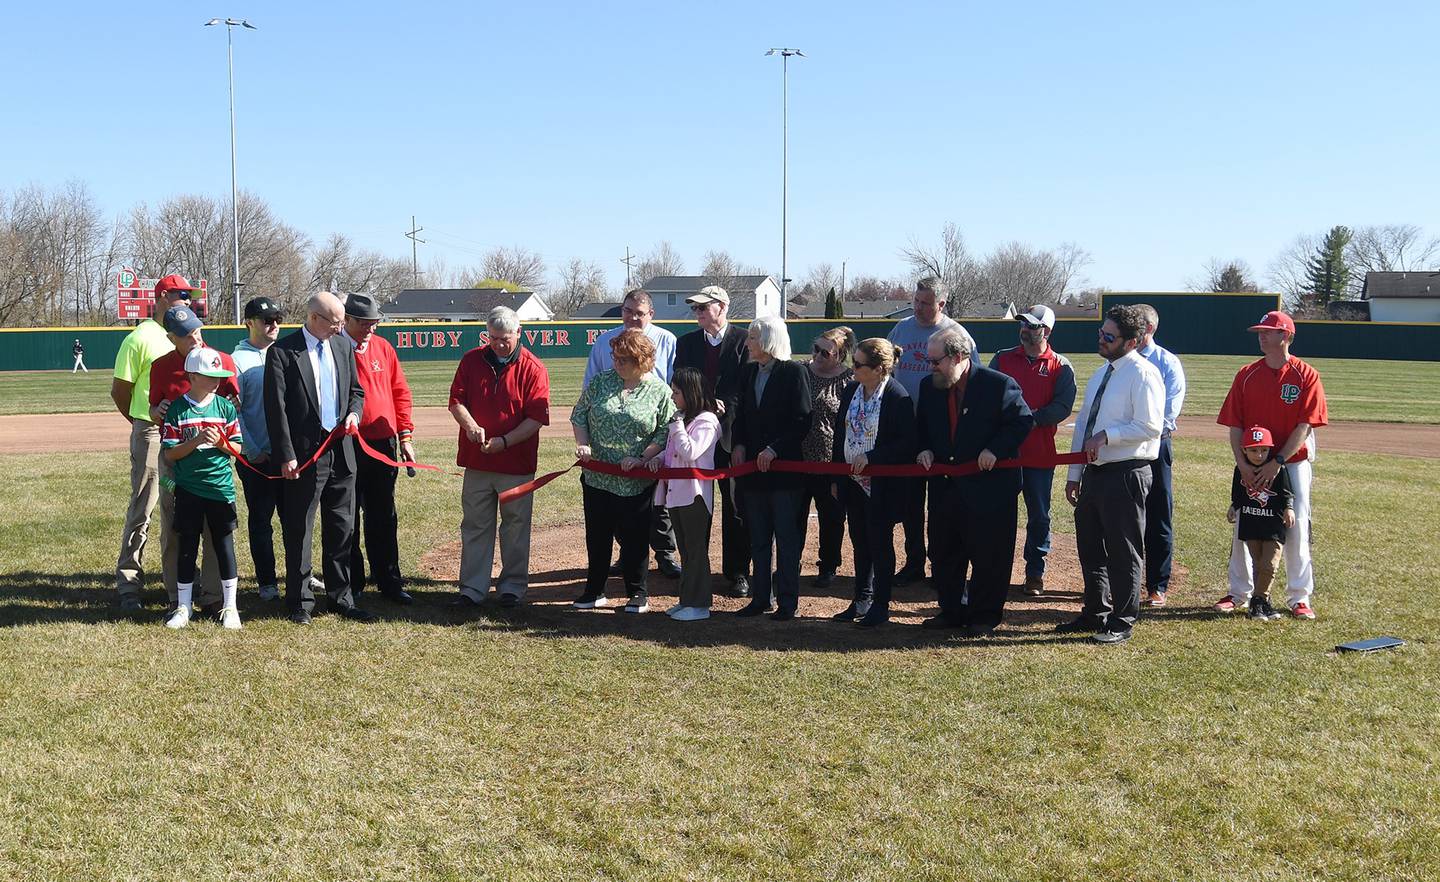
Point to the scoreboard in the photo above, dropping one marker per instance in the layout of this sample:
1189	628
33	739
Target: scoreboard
135	297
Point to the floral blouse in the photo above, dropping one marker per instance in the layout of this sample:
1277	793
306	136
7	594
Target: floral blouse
824	405
862	424
622	423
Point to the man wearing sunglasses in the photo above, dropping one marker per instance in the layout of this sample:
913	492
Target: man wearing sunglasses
262	496
1118	428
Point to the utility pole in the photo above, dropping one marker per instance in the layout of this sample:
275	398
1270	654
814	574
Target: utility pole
415	250
629	258
784	54
842	281
230	24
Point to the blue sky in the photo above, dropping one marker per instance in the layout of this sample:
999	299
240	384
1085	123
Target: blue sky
1156	137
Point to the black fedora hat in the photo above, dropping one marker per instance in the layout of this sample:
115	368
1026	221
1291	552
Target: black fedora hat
362	306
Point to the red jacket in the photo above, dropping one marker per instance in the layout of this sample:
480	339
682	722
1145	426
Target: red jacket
1048	384
387	395
500	401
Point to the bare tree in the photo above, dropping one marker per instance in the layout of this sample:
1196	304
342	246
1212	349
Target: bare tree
1225	277
1289	272
874	288
578	283
518	266
56	254
951	263
661	261
720	269
1016	273
339	266
1390	248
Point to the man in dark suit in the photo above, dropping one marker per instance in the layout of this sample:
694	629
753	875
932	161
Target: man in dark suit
717	350
972	414
311	389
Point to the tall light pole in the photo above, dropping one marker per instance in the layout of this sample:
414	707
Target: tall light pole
784	54
230	25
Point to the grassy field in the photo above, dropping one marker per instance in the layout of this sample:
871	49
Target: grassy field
437	746
1380	391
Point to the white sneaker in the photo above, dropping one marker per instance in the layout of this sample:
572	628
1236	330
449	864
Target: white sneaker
861	608
691	614
230	618
269	592
674	610
587	602
179	618
638	603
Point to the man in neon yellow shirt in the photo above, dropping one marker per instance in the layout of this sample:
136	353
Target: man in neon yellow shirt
130	390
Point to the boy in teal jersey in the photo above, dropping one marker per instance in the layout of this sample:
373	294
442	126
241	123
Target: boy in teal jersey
192	437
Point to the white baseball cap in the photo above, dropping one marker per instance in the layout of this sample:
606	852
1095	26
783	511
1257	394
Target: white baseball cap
206	362
1038	315
708	294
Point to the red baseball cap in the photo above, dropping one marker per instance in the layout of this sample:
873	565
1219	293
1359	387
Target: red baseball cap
1275	320
173	282
1258	436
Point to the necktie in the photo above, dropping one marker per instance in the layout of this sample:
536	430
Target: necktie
325	386
1095	405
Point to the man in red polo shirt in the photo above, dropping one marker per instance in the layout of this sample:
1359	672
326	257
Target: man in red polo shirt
1283	394
500	398
387	426
168	381
1048	383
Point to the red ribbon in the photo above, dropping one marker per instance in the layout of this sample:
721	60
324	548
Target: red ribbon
797	467
337	432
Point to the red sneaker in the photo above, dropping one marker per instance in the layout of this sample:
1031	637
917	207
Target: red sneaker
1302	611
1227	604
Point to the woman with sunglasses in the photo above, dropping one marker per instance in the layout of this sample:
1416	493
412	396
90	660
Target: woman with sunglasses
875	426
829	375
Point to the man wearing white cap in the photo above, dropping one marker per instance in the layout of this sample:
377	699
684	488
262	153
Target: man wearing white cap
716	348
1048	383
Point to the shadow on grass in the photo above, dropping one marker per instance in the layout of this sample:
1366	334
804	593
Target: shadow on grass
30	598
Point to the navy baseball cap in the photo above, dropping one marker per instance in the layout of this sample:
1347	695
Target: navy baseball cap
181	320
262	307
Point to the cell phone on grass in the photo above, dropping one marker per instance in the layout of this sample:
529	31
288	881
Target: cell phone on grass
1374	644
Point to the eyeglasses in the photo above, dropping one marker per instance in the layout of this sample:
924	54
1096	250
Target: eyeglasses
626	359
823	353
1107	337
334	323
936	362
861	364
699	307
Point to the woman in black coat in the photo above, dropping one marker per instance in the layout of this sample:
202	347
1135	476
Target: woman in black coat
875	426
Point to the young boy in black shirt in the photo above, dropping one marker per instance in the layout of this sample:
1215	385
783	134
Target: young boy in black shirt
1263	517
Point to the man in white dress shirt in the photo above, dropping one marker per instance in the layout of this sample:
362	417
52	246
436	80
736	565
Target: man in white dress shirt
1118	427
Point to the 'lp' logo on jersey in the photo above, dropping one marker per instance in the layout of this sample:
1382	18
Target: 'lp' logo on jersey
1289	393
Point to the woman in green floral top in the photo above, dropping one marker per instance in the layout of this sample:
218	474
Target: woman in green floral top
828	378
620	419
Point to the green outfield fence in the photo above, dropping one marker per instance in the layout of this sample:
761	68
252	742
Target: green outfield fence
1198	324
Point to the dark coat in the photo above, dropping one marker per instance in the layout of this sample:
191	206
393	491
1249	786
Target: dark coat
292	401
690	352
993	417
895	444
779	421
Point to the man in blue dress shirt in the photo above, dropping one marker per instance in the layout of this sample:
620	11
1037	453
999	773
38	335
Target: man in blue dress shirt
1160	504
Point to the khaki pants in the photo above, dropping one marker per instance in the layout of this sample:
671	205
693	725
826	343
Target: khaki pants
480	503
1264	555
144	492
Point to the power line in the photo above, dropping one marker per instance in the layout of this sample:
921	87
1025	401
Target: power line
415	243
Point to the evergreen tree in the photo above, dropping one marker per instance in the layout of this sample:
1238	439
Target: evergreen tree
834	309
1328	274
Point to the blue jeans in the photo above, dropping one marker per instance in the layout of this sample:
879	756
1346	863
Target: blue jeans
774	515
1035	486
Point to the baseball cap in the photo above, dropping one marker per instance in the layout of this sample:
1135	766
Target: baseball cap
1275	320
181	320
206	362
1038	315
262	307
173	282
709	294
1258	436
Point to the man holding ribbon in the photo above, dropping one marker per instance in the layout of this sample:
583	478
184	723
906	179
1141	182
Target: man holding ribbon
1119	431
311	388
386	426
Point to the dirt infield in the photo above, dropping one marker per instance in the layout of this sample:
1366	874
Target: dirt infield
96	432
557	567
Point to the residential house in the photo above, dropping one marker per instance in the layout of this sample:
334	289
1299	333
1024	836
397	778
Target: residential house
464	305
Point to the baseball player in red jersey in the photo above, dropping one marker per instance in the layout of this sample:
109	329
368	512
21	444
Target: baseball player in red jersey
1283	394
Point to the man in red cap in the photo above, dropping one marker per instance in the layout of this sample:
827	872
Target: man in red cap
1283	395
130	390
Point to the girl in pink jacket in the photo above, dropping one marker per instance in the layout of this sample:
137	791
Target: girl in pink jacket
690	443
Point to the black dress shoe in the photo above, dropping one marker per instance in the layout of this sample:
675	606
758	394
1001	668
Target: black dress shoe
740	587
825	579
300	617
1109	638
668	566
398	595
938	623
845	615
979	632
752	609
509	601
1077	625
465	601
909	574
873	619
355	614
782	615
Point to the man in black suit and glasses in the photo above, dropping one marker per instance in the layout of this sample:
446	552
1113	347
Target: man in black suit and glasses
311	389
717	350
